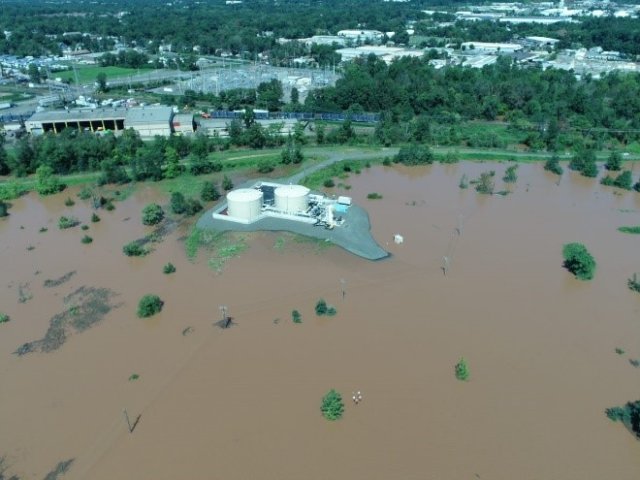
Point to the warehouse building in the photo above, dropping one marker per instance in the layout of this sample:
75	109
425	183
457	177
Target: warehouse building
147	121
93	120
486	47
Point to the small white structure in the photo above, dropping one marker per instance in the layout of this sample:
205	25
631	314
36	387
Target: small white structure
398	239
244	204
291	198
344	200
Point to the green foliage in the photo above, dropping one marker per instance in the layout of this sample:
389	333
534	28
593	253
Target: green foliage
629	415
95	218
178	203
46	182
265	166
485	183
321	307
149	305
619	351
510	175
152	214
134	249
209	192
67	222
4	318
43	229
633	283
69	202
414	155
291	153
553	165
86	239
462	370
11	190
607	181
589	169
614	162
85	227
329	183
374	196
578	261
452	156
624	180
332	406
133	377
636	187
85	194
227	184
632	230
168	268
296	317
4	209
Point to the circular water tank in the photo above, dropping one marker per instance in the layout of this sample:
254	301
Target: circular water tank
292	198
244	203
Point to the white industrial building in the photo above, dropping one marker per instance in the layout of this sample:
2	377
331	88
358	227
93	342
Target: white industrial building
291	202
491	47
149	121
361	35
388	54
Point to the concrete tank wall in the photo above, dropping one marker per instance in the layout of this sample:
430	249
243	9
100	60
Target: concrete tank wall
244	203
292	198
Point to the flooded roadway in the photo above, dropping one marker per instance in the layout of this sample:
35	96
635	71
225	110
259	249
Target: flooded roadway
244	402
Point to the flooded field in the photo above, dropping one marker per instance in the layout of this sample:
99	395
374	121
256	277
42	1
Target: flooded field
243	403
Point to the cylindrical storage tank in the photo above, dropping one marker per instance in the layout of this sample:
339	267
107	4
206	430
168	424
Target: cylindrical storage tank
292	198
244	203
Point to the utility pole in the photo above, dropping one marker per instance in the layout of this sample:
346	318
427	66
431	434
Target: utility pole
226	320
126	417
343	287
445	265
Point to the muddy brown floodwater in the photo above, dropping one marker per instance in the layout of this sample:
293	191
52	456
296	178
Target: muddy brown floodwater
243	403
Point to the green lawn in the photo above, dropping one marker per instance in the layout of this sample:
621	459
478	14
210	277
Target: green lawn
89	74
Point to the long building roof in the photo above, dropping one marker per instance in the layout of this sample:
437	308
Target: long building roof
146	115
85	114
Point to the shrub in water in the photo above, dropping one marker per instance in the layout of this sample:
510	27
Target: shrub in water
578	261
462	370
149	305
374	196
86	239
152	214
321	307
134	249
69	202
329	183
95	218
296	317
332	406
168	268
4	318
67	222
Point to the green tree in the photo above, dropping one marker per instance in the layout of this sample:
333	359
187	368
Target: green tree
510	175
485	184
296	317
295	96
152	214
321	307
46	182
578	261
553	165
209	192
624	180
101	80
34	73
332	406
614	162
414	155
4	209
172	159
320	134
590	169
462	370
149	305
168	268
227	183
178	203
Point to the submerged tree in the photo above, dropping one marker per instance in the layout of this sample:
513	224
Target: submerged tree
332	406
462	370
578	261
